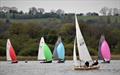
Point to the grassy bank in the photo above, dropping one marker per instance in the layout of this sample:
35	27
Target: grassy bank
33	58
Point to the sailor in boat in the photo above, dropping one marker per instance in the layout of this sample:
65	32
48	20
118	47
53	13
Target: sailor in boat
95	63
26	61
86	64
61	60
107	61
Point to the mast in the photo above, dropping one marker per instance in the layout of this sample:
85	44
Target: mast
74	53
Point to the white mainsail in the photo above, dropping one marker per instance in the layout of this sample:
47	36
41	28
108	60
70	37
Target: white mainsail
82	48
74	54
8	45
41	55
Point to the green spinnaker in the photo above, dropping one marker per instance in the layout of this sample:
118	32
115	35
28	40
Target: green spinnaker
47	53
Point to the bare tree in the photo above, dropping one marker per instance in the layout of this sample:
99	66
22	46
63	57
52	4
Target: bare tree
52	11
5	9
0	9
13	10
104	11
33	10
60	12
119	12
110	12
89	14
41	10
115	11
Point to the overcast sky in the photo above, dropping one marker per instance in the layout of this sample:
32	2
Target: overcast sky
78	6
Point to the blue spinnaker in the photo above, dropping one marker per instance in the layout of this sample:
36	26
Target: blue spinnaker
61	51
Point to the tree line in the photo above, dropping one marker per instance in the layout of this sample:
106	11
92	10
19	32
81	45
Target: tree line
13	13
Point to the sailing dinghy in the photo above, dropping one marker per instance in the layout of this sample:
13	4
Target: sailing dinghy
10	52
59	51
105	52
44	52
82	51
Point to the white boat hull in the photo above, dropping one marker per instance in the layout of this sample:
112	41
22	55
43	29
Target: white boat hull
86	68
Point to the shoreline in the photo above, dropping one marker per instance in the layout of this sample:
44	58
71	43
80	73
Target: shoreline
33	58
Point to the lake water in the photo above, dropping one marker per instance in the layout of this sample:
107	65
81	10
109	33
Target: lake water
36	68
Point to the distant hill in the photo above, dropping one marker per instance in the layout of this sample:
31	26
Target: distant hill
26	33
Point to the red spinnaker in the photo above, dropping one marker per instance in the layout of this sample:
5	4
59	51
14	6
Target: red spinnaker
12	54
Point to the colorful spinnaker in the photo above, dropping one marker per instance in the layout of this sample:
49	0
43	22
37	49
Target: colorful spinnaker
59	51
10	52
55	54
44	52
105	51
47	53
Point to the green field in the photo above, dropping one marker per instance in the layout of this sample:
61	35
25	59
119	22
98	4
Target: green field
84	18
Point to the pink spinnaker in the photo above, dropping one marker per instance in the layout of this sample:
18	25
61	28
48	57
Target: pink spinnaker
105	51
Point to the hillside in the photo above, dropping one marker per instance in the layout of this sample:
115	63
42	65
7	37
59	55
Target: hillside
25	33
